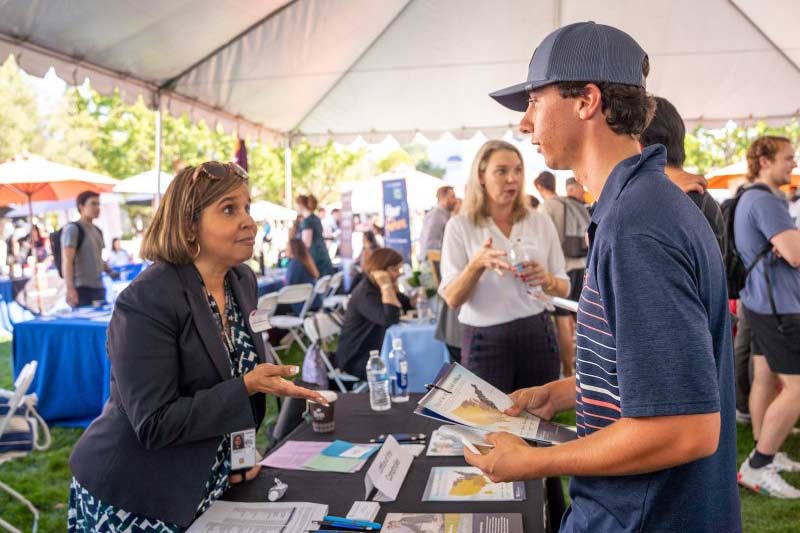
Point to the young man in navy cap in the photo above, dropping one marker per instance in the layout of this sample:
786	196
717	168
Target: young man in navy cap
653	390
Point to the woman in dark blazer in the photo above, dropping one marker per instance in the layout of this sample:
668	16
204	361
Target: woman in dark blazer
187	369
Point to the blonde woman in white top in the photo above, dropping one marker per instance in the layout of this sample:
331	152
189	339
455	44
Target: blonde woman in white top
508	335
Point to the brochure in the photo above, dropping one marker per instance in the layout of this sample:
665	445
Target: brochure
460	397
467	483
452	523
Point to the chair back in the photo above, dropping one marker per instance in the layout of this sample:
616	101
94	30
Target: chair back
268	302
320	327
320	288
435	260
17	397
335	283
295	294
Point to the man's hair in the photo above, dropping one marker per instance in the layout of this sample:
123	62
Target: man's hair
766	146
666	128
572	181
628	109
546	180
85	196
442	192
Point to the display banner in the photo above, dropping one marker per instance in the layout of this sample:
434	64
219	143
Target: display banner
396	220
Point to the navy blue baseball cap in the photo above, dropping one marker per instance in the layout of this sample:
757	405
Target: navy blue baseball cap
584	51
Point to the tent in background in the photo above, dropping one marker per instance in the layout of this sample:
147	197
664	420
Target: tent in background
145	183
420	188
264	210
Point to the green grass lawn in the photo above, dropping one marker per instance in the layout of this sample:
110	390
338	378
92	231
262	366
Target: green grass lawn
44	476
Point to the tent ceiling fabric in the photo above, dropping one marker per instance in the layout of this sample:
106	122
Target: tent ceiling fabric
339	69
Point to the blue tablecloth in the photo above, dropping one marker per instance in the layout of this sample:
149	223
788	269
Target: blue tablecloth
128	272
268	284
73	377
10	287
426	355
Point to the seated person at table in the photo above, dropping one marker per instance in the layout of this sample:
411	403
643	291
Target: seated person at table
118	257
375	304
301	269
187	369
34	244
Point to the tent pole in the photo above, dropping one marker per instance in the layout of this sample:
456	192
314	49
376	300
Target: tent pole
157	197
287	169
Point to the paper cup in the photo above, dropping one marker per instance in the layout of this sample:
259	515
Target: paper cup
322	420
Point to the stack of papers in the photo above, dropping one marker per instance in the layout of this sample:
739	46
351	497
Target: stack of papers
461	523
466	483
286	517
460	397
338	456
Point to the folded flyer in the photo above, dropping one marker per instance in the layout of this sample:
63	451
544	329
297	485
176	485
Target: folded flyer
467	483
460	397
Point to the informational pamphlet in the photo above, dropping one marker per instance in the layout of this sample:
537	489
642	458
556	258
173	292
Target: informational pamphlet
280	517
467	483
452	523
461	397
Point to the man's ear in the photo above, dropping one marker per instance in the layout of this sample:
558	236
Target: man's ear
589	103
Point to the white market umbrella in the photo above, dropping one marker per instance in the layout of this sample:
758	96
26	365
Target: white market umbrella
144	183
264	210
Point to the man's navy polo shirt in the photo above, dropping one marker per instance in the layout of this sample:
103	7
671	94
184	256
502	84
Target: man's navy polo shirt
654	339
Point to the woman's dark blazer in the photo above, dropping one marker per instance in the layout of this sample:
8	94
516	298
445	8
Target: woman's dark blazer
172	399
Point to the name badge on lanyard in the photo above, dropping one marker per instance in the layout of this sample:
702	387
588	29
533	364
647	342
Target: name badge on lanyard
243	449
259	320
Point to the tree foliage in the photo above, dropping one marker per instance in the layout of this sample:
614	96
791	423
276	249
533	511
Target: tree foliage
102	133
707	149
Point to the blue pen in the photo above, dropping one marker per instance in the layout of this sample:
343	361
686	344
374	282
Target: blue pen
361	524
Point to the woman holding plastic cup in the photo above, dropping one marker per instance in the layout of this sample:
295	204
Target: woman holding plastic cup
501	261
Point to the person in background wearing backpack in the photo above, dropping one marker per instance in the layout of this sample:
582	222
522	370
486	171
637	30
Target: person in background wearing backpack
82	264
562	212
768	244
667	128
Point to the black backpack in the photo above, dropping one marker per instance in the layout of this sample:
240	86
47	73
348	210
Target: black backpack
735	270
55	244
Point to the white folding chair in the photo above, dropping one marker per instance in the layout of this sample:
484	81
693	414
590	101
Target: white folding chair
335	303
320	328
18	433
268	303
294	294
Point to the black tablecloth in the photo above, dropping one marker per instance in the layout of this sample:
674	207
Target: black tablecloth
355	422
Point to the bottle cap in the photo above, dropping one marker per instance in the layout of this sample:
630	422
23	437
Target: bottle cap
374	353
397	343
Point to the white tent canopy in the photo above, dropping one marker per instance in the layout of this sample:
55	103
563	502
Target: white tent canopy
145	183
338	69
420	190
263	210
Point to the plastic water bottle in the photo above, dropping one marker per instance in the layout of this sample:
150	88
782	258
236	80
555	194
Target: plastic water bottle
398	363
378	380
423	307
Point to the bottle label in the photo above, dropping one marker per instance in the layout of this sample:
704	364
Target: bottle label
381	377
402	381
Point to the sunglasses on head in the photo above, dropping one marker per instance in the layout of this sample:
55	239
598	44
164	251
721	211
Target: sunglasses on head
214	170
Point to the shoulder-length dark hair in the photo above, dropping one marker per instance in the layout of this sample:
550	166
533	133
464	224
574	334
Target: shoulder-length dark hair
381	259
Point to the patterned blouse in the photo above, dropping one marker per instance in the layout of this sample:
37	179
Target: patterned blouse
88	514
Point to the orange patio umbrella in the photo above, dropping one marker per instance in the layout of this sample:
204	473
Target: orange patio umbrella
28	178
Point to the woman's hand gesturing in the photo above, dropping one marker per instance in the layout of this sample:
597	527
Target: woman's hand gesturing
269	379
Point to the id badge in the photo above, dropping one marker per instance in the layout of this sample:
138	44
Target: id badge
259	320
243	449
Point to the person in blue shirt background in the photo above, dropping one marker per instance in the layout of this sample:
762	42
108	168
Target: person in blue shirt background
301	269
762	221
654	408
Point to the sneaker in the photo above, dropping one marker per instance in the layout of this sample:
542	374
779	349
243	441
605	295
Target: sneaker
785	464
742	417
766	481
